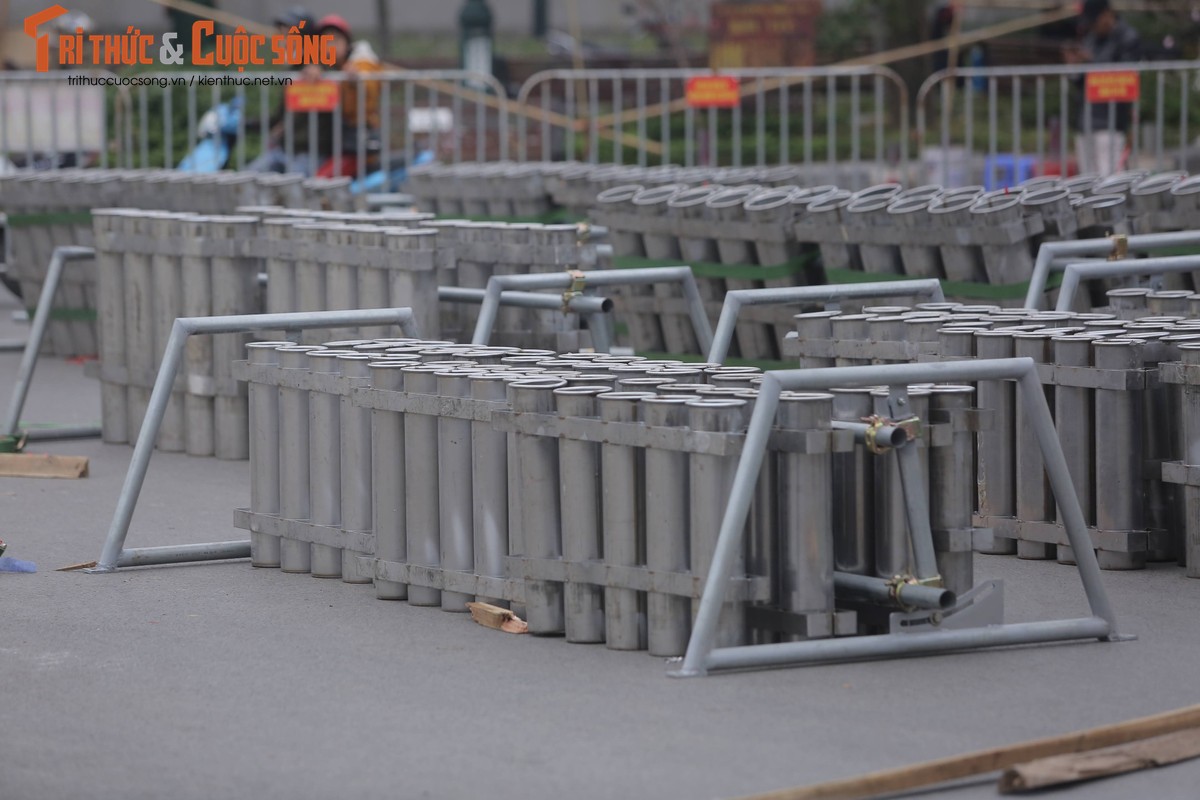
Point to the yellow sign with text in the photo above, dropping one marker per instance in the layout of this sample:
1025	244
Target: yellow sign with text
1113	87
311	96
713	91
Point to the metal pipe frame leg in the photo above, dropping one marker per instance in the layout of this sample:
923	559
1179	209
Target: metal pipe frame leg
114	554
41	318
701	656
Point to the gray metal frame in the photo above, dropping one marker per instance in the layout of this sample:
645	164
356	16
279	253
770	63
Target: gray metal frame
597	310
1056	255
702	657
1080	271
115	554
736	299
62	256
497	284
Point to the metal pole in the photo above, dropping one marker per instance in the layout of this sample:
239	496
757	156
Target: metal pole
736	299
883	591
183	328
909	644
1089	270
579	304
37	331
563	280
1051	255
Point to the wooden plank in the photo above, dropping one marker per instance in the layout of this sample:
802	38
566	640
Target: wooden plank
501	619
1103	763
982	762
42	465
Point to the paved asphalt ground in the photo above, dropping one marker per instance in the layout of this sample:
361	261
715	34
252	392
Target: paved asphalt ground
221	681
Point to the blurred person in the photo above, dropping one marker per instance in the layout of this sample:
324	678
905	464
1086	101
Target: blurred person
353	59
943	23
1108	40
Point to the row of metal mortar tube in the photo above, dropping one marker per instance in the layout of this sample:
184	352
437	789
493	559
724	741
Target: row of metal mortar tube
1105	378
470	253
964	235
588	490
154	266
48	209
507	188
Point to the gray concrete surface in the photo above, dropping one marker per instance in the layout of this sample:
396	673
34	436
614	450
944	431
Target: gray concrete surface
220	681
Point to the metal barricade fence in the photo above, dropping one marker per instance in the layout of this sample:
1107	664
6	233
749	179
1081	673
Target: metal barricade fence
154	120
42	116
1002	125
785	116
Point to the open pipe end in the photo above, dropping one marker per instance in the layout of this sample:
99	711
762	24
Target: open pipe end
607	305
894	437
926	597
947	600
